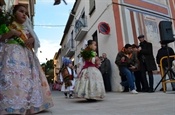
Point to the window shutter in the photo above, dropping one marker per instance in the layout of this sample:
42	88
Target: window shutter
91	6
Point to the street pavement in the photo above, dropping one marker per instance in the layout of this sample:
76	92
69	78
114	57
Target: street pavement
115	103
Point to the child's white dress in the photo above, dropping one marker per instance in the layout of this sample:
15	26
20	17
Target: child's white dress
90	83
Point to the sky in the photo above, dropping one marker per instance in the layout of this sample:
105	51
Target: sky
48	14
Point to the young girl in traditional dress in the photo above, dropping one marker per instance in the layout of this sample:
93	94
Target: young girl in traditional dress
67	77
89	84
23	86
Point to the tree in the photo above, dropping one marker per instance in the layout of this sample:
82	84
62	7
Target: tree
48	68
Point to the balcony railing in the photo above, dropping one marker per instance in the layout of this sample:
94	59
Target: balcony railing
80	29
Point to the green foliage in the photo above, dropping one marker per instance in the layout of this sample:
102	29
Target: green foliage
87	54
50	64
3	29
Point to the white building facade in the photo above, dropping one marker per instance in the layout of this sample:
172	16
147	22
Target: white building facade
112	24
28	3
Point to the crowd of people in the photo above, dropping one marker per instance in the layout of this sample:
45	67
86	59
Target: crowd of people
135	63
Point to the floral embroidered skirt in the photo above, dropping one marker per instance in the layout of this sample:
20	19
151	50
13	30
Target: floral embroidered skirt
90	84
23	85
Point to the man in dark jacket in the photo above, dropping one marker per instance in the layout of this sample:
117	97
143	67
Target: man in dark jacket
137	72
165	50
127	62
105	69
147	63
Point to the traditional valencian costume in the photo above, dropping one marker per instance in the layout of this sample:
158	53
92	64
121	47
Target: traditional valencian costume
89	84
67	77
23	84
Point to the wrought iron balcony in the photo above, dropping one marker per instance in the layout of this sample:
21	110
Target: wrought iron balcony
80	29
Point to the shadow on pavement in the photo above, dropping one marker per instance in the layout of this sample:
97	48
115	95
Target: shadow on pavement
88	101
45	111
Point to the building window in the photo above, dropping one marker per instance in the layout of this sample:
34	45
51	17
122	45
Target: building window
72	40
91	6
83	19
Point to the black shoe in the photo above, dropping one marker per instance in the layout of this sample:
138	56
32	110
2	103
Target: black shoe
139	90
151	91
173	89
126	90
145	90
108	90
161	89
65	94
71	96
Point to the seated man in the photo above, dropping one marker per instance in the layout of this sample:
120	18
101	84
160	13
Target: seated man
127	61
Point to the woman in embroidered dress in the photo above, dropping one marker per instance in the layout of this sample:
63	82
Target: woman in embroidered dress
89	84
23	86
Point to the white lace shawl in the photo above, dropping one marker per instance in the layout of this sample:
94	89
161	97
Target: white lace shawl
28	25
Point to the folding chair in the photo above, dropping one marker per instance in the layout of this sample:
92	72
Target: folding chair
164	73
